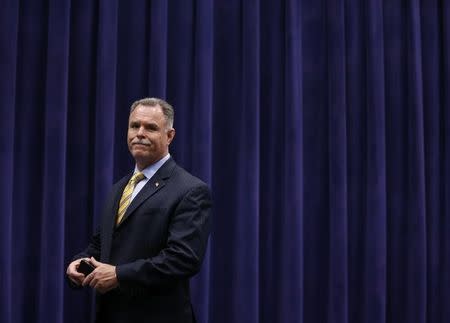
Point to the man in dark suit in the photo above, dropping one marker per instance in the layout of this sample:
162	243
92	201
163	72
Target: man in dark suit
153	233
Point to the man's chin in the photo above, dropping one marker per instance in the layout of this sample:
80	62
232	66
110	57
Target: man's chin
142	158
140	154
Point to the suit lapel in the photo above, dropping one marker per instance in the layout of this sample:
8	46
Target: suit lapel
121	186
109	221
154	184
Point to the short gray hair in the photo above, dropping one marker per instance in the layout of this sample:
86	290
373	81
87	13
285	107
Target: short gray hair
166	108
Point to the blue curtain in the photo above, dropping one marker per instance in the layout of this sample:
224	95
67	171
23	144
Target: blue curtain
322	128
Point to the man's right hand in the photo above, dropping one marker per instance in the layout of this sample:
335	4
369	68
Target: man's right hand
76	277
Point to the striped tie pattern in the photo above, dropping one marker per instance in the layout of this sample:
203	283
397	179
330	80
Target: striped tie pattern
125	200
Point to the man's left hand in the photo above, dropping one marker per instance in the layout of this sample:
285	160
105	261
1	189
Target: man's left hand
103	278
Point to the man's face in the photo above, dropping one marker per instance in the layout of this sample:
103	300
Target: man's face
148	136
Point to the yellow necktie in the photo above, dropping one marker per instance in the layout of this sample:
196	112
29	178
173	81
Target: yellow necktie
125	200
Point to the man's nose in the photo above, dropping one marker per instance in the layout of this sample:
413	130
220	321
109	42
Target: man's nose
141	131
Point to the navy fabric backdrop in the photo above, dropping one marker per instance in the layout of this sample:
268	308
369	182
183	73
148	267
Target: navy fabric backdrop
321	126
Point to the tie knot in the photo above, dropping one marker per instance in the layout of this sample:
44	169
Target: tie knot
137	178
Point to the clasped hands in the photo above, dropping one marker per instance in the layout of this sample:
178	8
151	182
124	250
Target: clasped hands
102	279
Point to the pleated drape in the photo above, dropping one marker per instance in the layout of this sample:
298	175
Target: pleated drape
322	128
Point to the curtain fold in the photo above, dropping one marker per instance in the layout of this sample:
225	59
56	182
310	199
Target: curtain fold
158	47
235	264
337	303
321	127
54	163
356	150
290	212
8	55
28	161
105	100
432	75
416	262
200	156
444	183
375	189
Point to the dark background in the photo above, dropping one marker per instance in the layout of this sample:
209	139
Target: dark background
322	128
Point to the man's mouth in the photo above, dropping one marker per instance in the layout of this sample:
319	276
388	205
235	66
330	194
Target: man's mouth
140	144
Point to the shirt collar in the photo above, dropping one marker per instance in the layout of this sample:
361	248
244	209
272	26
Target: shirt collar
152	169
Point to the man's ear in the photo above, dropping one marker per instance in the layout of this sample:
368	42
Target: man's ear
170	135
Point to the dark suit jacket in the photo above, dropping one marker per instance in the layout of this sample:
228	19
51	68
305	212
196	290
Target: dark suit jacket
157	247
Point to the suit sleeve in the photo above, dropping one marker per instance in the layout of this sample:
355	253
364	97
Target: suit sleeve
92	250
186	245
